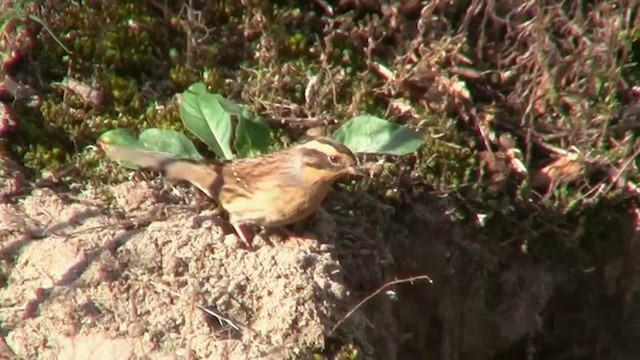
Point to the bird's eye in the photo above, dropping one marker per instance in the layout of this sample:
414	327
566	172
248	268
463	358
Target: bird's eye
334	159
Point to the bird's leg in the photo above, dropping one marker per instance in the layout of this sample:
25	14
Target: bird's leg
292	236
241	229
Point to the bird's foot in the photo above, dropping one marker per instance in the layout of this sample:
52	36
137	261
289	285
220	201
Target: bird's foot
245	234
290	235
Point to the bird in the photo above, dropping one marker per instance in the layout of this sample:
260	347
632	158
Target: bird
269	191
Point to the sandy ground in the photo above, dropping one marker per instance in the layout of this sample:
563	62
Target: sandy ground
140	278
151	270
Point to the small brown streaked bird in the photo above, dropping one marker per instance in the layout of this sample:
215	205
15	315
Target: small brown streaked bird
269	191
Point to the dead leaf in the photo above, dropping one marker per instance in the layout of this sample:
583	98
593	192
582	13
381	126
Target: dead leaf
495	170
513	152
316	131
383	71
458	88
466	72
374	168
564	170
402	108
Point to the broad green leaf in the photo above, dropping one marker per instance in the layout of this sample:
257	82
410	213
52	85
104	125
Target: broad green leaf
169	141
209	117
203	114
252	137
158	140
118	136
370	134
230	106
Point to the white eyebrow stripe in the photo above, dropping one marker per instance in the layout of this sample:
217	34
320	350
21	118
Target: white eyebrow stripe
322	147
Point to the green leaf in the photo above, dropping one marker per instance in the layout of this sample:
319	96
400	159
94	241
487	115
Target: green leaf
169	141
370	134
206	116
252	137
158	140
230	106
118	136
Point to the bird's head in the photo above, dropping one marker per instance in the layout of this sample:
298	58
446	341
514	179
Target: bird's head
323	159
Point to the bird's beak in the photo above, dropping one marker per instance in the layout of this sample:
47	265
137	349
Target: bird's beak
355	171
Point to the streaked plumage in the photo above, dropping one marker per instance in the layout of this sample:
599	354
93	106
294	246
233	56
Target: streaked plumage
270	190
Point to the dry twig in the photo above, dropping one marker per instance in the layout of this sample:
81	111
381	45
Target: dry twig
376	292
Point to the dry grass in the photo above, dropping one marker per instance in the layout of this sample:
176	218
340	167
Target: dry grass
529	109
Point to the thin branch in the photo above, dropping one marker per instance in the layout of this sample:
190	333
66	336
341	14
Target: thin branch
376	292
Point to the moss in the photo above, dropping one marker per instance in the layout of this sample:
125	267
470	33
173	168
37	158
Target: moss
125	94
125	50
296	45
441	161
182	76
631	39
346	352
38	156
117	46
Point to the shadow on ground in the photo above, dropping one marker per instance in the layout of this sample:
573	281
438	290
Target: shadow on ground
142	280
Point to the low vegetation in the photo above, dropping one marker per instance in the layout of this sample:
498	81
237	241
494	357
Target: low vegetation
526	114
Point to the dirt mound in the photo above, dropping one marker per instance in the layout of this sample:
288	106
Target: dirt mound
143	279
153	275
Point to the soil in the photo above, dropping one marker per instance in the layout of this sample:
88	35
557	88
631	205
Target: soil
156	272
139	278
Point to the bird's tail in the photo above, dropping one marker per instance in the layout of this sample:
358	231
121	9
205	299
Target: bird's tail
207	177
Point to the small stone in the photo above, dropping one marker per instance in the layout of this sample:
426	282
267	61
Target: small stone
232	241
207	224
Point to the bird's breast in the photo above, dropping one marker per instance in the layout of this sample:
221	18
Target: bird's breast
277	206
